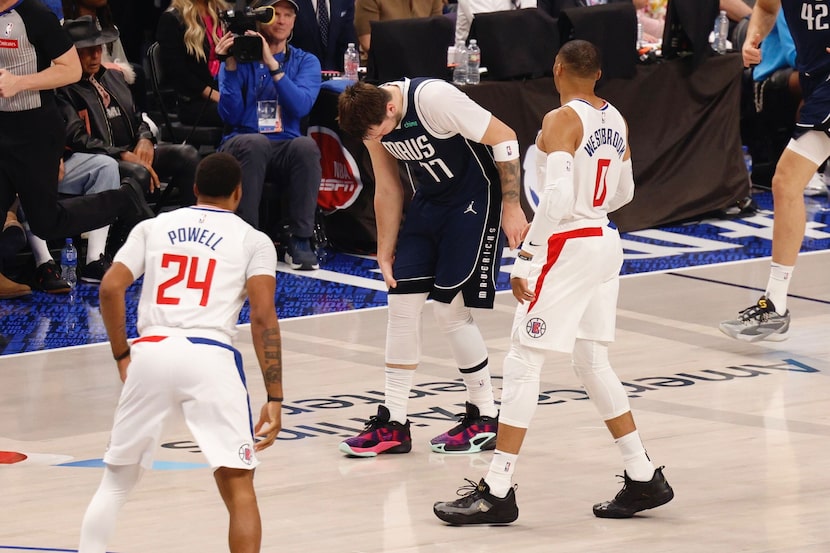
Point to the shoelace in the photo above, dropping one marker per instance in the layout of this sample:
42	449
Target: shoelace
467	489
754	312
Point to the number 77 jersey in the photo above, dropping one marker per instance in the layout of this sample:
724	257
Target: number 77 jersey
196	262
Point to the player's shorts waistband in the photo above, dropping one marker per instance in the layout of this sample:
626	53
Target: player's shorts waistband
191	339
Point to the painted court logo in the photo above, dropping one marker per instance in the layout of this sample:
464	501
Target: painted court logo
536	327
246	453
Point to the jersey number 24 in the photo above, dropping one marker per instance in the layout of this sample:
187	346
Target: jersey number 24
188	268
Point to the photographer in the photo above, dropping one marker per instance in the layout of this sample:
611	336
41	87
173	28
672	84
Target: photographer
263	102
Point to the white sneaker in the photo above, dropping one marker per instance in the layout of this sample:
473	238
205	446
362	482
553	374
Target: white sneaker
816	186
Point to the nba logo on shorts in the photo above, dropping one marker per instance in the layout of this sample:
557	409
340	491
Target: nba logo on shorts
536	327
246	454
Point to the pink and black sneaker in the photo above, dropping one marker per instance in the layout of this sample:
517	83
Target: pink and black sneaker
380	436
472	434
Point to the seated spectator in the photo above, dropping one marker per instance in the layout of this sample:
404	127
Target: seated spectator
325	28
366	11
652	15
187	33
263	103
114	56
101	118
12	240
467	9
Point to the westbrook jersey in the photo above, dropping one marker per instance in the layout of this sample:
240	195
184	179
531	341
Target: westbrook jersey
809	24
598	161
196	262
438	138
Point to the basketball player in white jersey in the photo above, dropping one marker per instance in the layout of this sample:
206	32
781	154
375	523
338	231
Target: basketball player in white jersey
199	263
566	279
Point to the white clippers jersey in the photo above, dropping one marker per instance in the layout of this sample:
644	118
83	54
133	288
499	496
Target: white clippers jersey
196	262
598	161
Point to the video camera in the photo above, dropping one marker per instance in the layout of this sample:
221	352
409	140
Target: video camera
241	18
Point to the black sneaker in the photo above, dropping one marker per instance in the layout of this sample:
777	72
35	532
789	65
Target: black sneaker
472	434
300	255
141	210
380	436
636	496
478	506
48	279
94	272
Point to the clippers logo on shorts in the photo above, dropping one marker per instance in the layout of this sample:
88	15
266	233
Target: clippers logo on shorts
536	327
340	185
246	453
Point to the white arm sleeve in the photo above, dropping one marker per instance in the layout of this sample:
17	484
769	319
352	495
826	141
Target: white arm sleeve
556	202
625	189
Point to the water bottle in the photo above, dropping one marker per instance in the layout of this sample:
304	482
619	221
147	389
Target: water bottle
473	62
459	74
69	263
721	33
747	161
351	61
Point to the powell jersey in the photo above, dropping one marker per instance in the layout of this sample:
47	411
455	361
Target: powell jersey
598	161
437	139
809	23
196	262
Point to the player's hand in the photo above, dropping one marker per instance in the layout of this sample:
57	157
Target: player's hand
122	368
133	158
9	84
514	224
385	264
269	425
520	290
145	150
751	50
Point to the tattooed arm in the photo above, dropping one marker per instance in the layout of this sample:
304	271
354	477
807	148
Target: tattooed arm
265	332
514	221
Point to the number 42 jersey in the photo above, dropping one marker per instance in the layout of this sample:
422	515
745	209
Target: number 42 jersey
196	262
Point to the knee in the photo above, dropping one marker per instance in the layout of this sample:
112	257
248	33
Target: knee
452	316
304	147
189	156
135	171
523	365
248	146
109	176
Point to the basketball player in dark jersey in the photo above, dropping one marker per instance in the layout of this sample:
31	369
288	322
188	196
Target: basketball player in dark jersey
464	166
809	24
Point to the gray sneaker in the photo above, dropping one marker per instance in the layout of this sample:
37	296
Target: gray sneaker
759	322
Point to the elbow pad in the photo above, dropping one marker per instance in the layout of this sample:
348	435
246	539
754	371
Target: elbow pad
625	188
556	201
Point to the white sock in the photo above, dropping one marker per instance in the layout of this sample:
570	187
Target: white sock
480	391
398	386
96	242
778	285
40	250
637	464
500	475
99	520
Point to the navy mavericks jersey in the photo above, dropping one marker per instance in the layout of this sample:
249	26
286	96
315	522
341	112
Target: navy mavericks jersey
809	23
445	168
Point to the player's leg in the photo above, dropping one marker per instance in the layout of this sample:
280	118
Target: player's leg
493	499
100	518
388	431
769	318
476	430
236	486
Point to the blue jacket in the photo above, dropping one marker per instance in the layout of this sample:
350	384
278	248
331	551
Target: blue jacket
295	93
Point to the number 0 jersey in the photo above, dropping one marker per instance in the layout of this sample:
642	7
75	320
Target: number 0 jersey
196	262
598	162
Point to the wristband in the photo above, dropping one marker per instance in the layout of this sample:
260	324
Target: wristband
278	71
277	399
506	151
123	355
521	268
222	57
